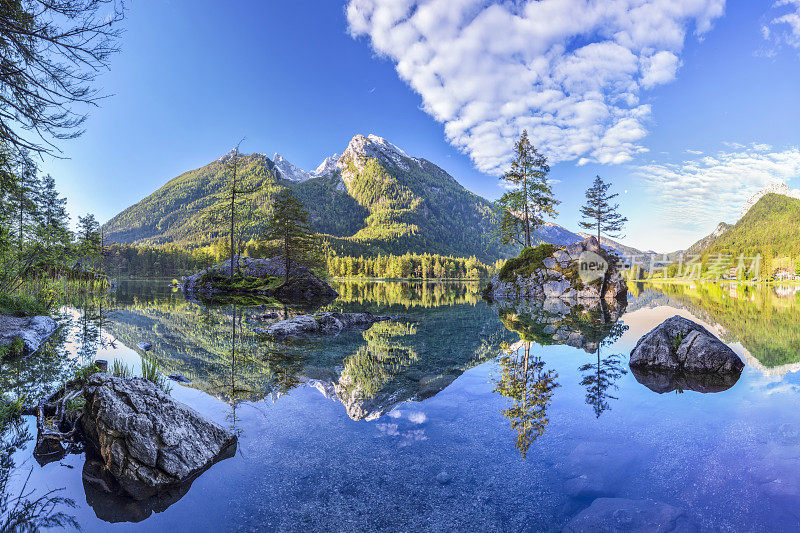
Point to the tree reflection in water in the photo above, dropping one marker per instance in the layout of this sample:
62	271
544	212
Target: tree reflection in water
23	509
601	377
529	386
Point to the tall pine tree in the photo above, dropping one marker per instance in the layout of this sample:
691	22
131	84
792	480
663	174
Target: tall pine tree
289	225
599	214
522	210
53	233
89	243
24	199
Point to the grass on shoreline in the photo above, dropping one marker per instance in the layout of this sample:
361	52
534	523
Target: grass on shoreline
22	305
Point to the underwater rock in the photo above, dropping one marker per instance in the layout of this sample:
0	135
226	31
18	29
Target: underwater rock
622	514
145	346
147	440
32	331
321	324
680	345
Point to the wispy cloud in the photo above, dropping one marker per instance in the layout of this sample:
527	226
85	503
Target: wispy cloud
570	71
783	26
699	193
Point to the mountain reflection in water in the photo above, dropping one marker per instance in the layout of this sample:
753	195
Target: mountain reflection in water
507	399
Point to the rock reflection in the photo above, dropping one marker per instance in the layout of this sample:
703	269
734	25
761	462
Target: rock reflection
112	504
667	382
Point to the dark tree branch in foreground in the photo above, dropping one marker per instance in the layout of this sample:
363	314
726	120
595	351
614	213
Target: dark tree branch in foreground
51	51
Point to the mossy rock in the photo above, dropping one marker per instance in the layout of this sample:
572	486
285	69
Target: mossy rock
528	261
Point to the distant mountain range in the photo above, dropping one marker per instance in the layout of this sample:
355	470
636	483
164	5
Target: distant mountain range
373	198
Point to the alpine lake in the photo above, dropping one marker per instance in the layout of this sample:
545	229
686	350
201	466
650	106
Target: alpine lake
458	414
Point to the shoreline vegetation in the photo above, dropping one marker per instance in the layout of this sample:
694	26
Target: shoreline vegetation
749	282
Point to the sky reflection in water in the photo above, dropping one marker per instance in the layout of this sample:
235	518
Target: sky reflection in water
458	414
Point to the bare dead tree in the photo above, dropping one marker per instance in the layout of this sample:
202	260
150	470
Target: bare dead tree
51	52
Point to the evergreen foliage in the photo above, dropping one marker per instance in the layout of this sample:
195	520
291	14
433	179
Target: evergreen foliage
407	266
771	228
529	388
89	243
289	226
599	214
522	210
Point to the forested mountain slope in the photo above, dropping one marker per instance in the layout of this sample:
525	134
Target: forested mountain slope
772	226
372	199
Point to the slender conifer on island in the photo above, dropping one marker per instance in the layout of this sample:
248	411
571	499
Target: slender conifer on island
599	214
522	210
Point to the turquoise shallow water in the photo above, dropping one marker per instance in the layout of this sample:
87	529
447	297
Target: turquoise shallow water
416	424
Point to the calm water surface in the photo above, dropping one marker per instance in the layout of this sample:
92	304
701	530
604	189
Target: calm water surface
457	415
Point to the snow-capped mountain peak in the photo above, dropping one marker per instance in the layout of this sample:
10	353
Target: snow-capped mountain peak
376	147
288	171
328	166
773	188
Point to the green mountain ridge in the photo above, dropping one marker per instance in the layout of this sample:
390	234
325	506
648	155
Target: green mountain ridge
772	224
374	199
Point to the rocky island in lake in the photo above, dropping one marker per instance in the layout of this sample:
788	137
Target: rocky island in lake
579	271
262	277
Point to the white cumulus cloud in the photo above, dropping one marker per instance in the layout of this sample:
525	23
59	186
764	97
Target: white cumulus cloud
571	72
697	194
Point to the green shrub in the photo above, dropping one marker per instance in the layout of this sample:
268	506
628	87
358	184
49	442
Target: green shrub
9	409
526	262
22	305
82	374
15	349
240	283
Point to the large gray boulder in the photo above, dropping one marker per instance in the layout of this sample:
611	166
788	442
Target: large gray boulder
680	345
621	514
33	332
320	324
146	440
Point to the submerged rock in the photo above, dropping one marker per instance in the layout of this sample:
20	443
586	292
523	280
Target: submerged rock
621	514
145	346
33	332
679	345
321	324
146	440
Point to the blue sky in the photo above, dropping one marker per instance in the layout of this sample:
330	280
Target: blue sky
690	109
